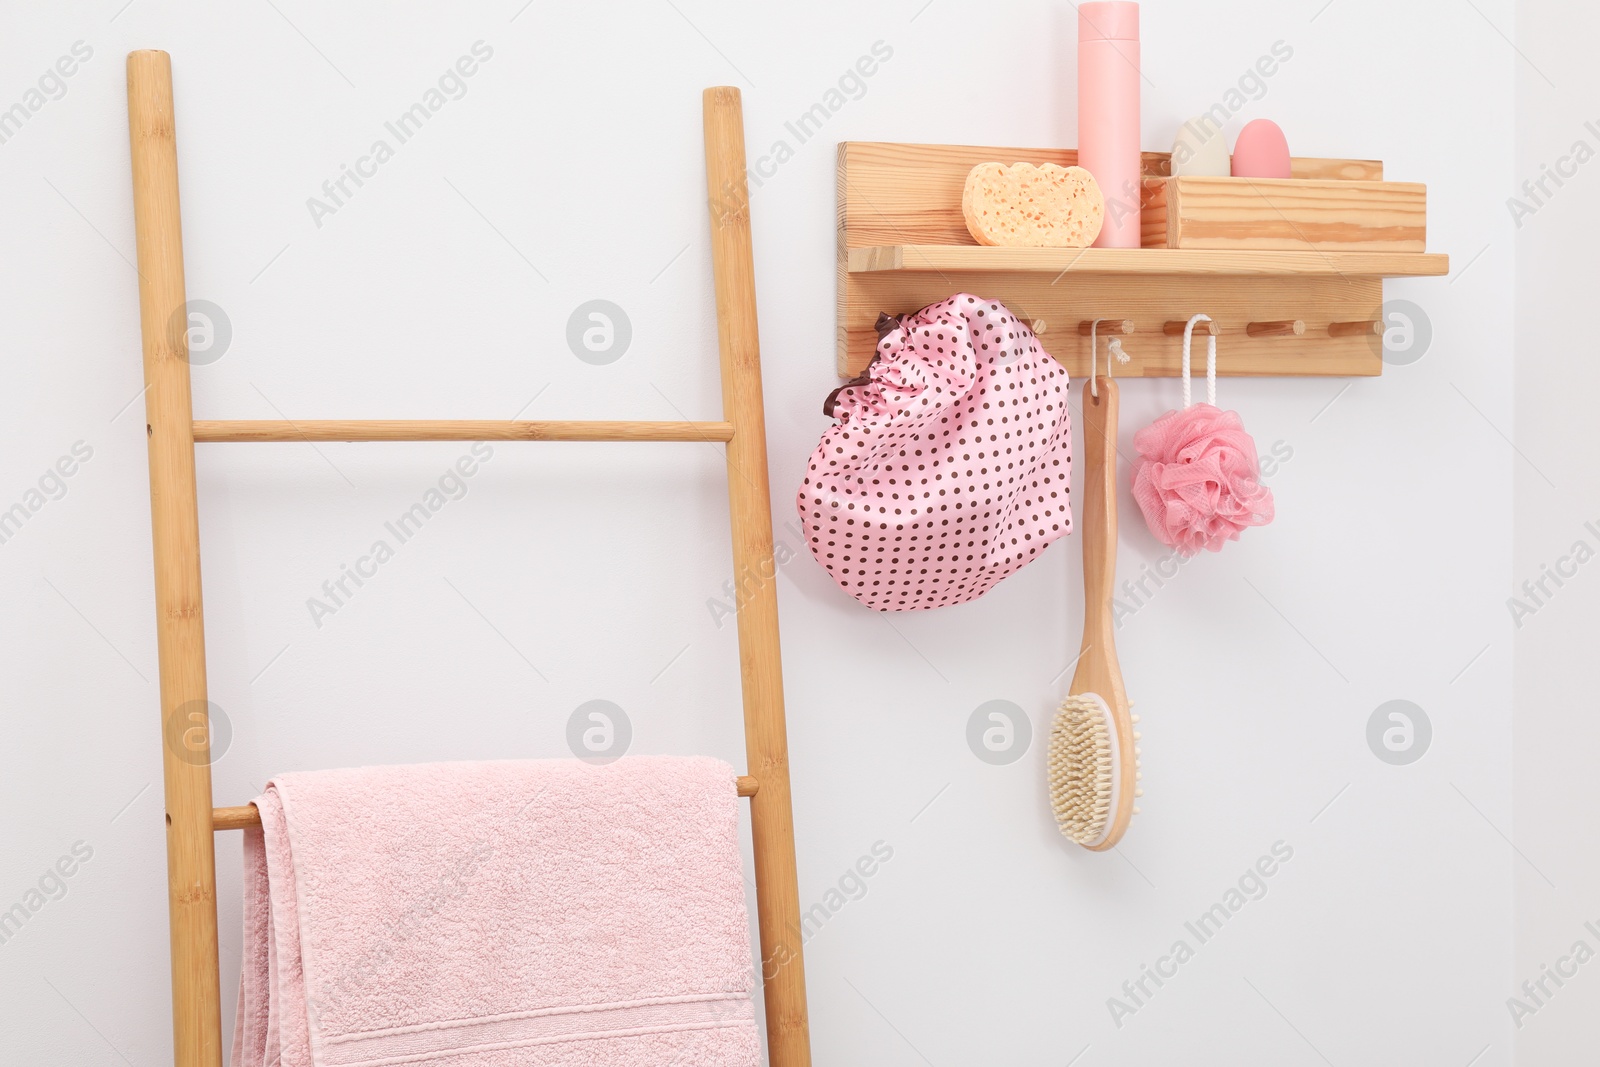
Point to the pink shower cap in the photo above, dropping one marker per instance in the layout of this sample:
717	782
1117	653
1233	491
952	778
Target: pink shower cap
949	465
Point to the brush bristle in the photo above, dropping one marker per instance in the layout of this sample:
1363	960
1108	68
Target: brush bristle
1081	771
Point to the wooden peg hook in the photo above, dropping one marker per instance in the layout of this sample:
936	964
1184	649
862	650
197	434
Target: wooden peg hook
1176	328
1283	328
1033	322
1355	329
1107	326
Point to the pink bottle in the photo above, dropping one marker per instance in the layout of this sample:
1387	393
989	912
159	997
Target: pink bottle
1108	113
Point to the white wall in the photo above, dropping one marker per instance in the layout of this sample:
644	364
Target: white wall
1557	498
571	170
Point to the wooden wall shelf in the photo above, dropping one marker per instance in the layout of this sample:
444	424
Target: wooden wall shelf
902	244
1144	261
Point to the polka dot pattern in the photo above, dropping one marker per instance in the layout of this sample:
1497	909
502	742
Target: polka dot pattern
950	464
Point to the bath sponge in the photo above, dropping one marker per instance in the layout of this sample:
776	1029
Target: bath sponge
1032	207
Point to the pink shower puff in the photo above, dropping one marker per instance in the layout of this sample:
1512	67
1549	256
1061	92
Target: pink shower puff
1196	479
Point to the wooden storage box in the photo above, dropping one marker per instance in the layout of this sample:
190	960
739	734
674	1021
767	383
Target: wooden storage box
1284	214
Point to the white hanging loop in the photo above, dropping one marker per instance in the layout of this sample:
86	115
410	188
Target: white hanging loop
1211	361
1113	349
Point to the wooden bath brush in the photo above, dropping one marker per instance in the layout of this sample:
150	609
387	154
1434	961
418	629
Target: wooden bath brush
1094	754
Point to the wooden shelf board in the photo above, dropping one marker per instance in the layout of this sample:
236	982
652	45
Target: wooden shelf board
1169	261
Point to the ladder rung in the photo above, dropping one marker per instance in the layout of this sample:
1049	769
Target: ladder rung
247	816
249	430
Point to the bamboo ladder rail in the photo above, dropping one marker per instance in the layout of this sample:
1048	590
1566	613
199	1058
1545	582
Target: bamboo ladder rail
172	431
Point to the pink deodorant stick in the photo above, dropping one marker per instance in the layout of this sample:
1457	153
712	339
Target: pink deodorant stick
1108	113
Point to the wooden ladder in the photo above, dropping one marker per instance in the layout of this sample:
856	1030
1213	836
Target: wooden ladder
172	432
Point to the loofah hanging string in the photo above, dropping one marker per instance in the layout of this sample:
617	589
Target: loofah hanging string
1211	360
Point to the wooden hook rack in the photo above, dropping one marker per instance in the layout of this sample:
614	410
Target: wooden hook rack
1313	308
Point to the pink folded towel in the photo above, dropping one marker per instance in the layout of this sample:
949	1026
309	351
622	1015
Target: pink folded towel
528	912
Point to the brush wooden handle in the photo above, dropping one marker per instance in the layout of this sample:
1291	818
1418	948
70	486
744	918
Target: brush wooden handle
1099	528
1097	525
1098	671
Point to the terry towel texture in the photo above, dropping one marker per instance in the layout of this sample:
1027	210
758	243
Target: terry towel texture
533	913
